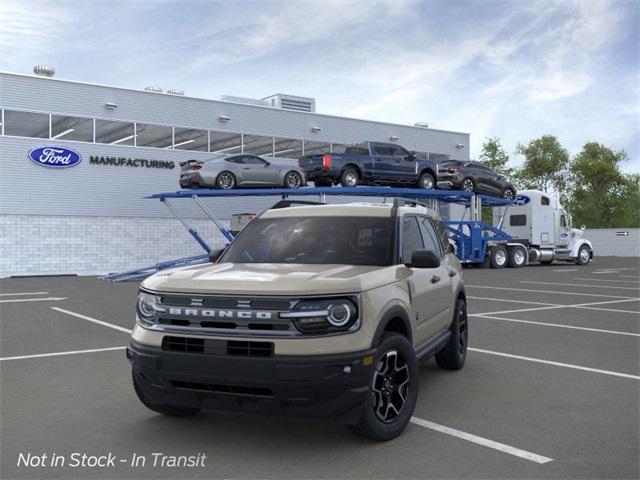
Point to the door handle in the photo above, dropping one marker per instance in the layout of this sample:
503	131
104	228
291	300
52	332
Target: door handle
435	279
246	168
452	273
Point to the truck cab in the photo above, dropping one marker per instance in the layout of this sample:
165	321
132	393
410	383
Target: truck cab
538	221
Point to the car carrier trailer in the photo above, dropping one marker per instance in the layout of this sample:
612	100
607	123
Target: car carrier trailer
476	242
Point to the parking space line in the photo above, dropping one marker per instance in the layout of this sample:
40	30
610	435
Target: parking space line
615	310
558	325
532	290
92	320
567	270
485	442
20	300
587	306
555	364
536	309
604	280
582	285
23	293
514	301
58	354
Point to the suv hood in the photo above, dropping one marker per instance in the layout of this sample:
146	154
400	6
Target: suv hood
271	279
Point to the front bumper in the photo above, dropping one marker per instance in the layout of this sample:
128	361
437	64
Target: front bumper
314	386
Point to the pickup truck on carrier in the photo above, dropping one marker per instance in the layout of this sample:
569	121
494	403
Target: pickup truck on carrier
371	163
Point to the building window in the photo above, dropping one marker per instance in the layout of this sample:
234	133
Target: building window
258	145
314	148
190	139
225	142
157	136
287	148
26	124
114	133
71	128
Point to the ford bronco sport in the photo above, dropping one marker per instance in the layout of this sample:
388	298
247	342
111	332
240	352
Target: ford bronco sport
318	311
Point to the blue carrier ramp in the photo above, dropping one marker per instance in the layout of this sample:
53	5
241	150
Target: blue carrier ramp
471	244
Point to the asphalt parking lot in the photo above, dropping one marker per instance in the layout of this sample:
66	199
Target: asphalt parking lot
550	390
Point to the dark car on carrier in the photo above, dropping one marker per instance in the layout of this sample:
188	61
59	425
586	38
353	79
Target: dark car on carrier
474	177
371	163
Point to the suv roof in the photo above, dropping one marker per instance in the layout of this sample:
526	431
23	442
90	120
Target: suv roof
354	209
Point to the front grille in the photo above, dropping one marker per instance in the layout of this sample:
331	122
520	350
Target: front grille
226	302
250	349
217	347
223	389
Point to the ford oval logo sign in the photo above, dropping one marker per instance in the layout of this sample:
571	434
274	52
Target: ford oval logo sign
55	157
521	200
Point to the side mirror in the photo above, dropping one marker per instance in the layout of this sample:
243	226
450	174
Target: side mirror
214	255
412	156
424	259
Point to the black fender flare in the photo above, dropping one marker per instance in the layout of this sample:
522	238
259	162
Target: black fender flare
395	311
428	170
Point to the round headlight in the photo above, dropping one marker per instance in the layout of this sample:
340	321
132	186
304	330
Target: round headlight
146	306
340	314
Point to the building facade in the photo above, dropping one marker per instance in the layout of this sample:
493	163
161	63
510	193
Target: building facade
92	217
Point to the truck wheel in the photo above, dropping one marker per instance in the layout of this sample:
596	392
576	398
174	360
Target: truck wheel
498	256
427	181
468	185
390	402
226	180
349	178
584	255
454	354
169	410
517	257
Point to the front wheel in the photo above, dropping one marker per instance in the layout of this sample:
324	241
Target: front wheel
427	181
393	390
584	255
293	179
454	354
226	180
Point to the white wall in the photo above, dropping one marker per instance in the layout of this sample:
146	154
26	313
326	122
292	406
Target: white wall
608	242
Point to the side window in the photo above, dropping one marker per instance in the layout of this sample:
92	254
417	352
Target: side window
251	160
544	201
411	238
563	220
399	151
443	233
517	220
431	240
235	160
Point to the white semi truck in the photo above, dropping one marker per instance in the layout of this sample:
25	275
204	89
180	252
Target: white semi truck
539	226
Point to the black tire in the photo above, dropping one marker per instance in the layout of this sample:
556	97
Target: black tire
508	194
292	180
498	256
349	177
454	354
371	423
468	185
584	255
225	180
517	257
169	410
427	181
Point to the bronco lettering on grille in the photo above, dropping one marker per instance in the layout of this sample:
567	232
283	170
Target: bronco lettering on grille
213	313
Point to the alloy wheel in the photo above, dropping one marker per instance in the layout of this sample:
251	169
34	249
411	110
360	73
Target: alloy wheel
584	255
226	181
501	257
467	185
427	182
351	179
508	194
518	256
293	180
391	383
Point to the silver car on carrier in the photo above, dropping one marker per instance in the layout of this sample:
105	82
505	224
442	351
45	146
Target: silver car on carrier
241	170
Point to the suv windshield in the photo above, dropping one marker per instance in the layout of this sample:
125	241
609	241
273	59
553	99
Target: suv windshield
314	240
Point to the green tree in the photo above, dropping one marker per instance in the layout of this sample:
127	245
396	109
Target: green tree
600	195
544	165
494	156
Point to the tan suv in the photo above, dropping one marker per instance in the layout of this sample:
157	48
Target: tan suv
317	311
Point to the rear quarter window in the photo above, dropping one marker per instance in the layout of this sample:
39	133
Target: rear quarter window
518	220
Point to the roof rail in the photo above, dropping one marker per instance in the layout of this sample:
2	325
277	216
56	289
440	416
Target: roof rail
288	203
412	202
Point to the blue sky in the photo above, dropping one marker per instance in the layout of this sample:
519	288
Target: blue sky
514	69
